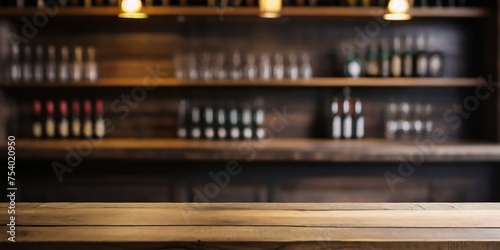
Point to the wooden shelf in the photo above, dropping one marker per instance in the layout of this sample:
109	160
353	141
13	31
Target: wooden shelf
430	12
315	82
314	150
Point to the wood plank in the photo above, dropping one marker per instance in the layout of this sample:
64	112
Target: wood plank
249	217
249	234
270	206
315	82
322	150
468	12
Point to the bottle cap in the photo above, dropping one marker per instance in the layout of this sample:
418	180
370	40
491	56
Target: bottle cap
87	107
63	107
50	107
76	107
99	107
37	107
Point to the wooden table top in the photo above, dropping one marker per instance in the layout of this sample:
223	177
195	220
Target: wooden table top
255	222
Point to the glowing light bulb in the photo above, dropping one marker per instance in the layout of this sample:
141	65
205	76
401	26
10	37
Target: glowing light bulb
397	10
270	8
131	6
131	9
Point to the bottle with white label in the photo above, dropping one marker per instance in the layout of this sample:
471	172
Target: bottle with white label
265	67
63	125
51	66
37	128
221	123
205	71
293	68
77	66
87	120
259	117
396	61
353	66
50	124
436	64
246	122
371	63
27	64
335	120
76	130
195	130
99	124
391	124
63	71
404	124
427	117
234	130
383	56
305	71
421	60
38	66
278	67
181	120
358	120
235	72
347	119
250	71
408	57
15	65
208	123
91	67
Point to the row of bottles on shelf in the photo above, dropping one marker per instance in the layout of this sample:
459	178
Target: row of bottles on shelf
344	123
415	60
222	122
51	64
51	121
232	3
221	66
406	121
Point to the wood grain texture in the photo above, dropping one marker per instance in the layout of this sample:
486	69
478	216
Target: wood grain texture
369	150
315	82
264	246
254	222
253	11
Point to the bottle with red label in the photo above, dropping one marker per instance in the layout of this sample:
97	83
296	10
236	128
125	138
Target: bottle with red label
87	120
37	127
50	125
99	128
63	126
76	128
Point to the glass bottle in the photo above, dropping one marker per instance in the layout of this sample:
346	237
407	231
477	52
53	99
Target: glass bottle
51	67
27	64
181	120
358	120
77	66
353	66
383	58
335	120
218	71
265	67
91	67
396	62
259	117
235	72
306	71
250	71
179	67
38	66
191	66
371	64
279	67
75	120
64	65
293	68
421	61
15	72
408	58
205	71
391	124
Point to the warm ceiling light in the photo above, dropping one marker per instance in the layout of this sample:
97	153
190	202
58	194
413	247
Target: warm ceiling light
397	10
270	8
131	9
